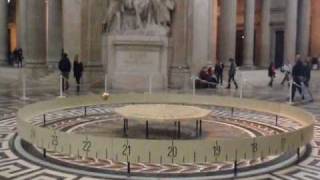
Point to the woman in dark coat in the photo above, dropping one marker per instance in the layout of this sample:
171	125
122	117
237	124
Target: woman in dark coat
77	71
271	73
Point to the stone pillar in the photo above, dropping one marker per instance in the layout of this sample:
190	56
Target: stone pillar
249	26
214	31
200	32
227	33
54	30
3	31
265	34
304	28
33	32
179	72
291	31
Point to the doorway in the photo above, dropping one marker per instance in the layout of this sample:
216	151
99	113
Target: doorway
279	49
239	47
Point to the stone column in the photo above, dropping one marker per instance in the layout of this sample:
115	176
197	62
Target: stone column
304	28
214	30
201	34
249	26
54	30
33	32
179	72
291	31
227	33
265	34
3	31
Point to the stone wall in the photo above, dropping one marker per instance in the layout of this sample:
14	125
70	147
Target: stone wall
315	29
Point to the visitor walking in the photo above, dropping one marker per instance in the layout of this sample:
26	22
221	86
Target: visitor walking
298	76
232	73
19	57
77	71
286	70
307	76
271	73
218	70
65	68
307	71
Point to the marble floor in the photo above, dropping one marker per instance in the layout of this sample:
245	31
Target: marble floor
14	165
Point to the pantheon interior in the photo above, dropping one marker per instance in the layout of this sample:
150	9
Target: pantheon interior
159	89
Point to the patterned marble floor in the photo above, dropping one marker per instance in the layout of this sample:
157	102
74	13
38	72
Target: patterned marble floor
17	167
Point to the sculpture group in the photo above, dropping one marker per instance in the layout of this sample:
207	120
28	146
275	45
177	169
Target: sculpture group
141	15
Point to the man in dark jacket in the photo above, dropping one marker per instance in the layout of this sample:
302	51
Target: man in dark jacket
298	76
77	71
218	70
65	68
307	71
232	74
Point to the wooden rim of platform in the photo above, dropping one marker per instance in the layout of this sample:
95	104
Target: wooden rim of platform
165	151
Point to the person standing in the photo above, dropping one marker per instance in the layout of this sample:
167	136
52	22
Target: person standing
297	77
286	70
232	74
306	80
19	57
77	71
218	69
65	68
271	73
307	71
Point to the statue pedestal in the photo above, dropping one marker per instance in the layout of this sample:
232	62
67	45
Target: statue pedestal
132	61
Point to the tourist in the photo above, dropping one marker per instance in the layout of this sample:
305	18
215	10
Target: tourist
307	76
218	70
65	68
297	77
307	71
271	73
211	79
11	59
232	74
286	69
77	71
18	57
315	63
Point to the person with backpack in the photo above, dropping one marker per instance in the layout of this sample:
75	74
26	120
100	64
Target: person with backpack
77	71
65	68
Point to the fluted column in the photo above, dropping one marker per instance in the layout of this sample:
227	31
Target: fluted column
54	29
249	25
3	30
227	33
33	32
265	34
304	28
291	30
201	34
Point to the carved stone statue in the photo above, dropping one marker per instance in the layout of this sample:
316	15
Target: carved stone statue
139	16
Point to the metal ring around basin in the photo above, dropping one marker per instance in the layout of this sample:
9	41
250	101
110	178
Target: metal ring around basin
165	151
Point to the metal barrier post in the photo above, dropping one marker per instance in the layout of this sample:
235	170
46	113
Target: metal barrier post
128	168
106	83
147	130
290	91
24	86
150	83
44	120
61	87
235	168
